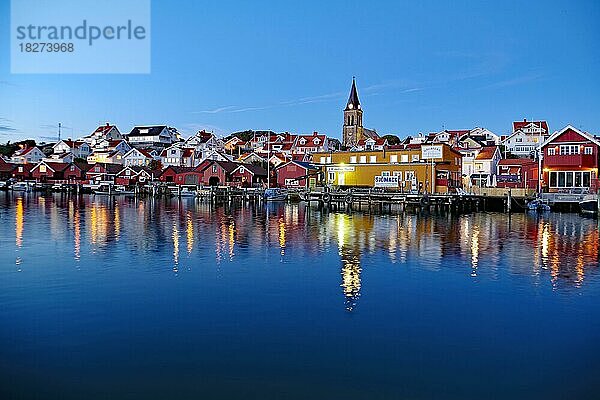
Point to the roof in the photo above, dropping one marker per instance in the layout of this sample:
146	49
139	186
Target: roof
310	140
353	98
516	161
378	141
303	164
109	168
104	128
177	169
586	135
254	169
22	152
54	166
7	167
522	124
154	130
487	153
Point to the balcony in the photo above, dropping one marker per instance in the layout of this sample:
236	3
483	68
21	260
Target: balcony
571	160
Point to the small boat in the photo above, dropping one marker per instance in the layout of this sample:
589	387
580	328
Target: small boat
589	204
537	205
22	187
115	191
275	194
187	192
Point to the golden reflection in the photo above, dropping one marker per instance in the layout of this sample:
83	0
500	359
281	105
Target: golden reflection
282	235
545	245
117	222
474	251
189	230
175	236
231	231
19	217
77	234
351	271
99	224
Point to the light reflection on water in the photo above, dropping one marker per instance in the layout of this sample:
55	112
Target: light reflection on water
278	257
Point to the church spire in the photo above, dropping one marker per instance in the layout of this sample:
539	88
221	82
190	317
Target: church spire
353	102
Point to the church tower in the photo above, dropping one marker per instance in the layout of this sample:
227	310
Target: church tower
352	131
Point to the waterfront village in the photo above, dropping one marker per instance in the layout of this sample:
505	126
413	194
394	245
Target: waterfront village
528	159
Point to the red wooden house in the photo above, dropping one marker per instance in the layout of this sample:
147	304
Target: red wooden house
49	172
174	174
297	174
100	172
22	172
570	163
517	173
6	169
134	175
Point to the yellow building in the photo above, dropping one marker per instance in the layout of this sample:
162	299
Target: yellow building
413	168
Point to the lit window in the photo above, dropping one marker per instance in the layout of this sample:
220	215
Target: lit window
394	158
322	160
372	159
404	158
363	159
352	159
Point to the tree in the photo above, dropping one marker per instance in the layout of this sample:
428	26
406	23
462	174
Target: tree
392	139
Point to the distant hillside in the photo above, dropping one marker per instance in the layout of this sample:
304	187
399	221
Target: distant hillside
9	148
249	134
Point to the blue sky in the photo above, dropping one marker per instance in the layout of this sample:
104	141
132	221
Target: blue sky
287	66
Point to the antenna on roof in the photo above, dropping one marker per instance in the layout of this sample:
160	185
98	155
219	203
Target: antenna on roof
59	126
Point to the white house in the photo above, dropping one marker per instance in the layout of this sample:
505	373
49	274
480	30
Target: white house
103	132
79	148
480	166
139	157
178	156
27	155
151	136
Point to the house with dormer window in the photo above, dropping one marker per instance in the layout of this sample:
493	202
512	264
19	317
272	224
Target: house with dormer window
311	143
156	136
27	155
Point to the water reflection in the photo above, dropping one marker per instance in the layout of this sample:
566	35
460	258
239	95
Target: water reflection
560	250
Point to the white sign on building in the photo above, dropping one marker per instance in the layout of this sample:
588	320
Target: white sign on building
431	152
386	181
340	169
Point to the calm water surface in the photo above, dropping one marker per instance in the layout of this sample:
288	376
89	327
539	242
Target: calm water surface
148	299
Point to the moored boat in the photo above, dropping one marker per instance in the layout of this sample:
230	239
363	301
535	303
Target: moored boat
275	194
537	205
589	204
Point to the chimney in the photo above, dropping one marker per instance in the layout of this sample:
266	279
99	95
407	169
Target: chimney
107	124
315	133
524	119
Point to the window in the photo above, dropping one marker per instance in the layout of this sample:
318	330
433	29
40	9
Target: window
518	140
214	168
553	179
20	169
589	150
372	159
398	174
328	160
331	176
404	158
322	160
42	168
385	173
72	168
363	159
410	175
414	158
127	172
551	151
352	159
569	149
394	158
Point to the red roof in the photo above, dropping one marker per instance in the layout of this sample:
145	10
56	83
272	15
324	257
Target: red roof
522	124
378	142
104	128
486	153
22	152
310	140
145	152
